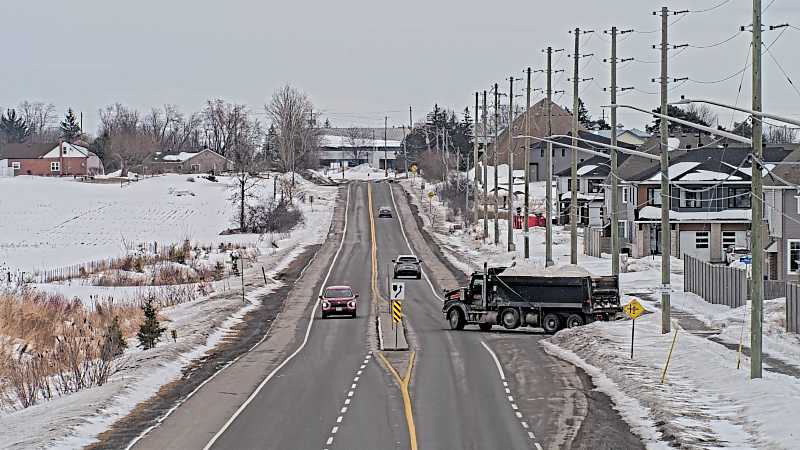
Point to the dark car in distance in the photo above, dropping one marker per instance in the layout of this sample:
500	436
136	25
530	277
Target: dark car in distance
339	300
384	211
407	266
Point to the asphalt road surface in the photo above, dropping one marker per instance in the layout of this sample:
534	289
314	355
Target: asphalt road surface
468	389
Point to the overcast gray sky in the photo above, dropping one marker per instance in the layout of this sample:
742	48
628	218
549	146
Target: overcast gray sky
360	60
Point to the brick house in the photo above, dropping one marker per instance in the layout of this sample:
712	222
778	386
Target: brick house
60	159
204	161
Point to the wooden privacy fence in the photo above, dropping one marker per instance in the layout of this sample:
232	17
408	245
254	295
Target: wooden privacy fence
719	285
792	308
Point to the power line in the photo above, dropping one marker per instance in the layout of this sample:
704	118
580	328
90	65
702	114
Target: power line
783	71
735	35
747	66
721	4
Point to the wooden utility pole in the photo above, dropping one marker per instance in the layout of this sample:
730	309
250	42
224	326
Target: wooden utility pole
573	180
666	233
510	196
548	162
475	206
527	166
614	162
756	244
494	158
385	150
485	172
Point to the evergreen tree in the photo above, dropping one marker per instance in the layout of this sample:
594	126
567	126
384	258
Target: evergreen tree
583	115
150	330
114	343
327	123
14	128
70	128
678	113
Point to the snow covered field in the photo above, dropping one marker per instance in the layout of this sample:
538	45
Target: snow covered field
705	402
56	222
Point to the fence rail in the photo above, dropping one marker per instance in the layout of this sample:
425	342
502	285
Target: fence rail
719	285
792	308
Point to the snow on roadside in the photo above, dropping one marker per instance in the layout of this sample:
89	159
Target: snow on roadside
75	420
706	402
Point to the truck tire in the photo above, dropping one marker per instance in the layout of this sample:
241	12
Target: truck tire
485	326
509	318
551	323
455	319
574	320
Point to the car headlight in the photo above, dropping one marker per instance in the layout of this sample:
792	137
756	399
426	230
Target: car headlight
326	305
351	303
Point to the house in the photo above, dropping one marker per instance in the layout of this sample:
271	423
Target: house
336	150
782	212
59	159
633	136
709	201
204	161
592	176
533	122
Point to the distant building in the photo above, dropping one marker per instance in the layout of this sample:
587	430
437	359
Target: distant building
52	159
336	150
633	136
204	161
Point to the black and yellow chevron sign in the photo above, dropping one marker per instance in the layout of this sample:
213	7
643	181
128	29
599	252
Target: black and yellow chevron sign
397	311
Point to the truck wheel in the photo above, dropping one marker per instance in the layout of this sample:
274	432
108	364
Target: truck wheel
456	319
574	320
485	326
550	323
510	318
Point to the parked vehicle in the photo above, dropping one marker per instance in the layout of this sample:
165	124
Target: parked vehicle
407	266
552	299
339	300
735	254
384	211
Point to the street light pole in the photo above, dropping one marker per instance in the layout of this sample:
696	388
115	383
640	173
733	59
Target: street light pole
548	162
385	150
573	183
527	167
510	196
485	172
494	157
475	206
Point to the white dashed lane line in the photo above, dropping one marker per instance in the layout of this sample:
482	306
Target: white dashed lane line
510	397
347	401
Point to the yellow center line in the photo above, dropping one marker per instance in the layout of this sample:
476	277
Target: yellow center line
376	295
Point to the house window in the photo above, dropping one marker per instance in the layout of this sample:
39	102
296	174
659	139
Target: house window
622	230
690	199
739	197
55	166
701	239
15	165
798	204
793	253
563	152
654	196
728	239
594	186
195	168
542	155
626	192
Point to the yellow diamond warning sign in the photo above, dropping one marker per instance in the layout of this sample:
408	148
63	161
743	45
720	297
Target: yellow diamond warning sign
634	309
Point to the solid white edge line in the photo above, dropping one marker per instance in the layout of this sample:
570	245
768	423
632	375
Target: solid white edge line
302	345
496	361
191	394
408	244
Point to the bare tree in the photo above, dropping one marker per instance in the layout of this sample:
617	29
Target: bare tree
224	124
41	118
118	119
702	112
130	148
243	148
171	129
297	138
357	139
780	135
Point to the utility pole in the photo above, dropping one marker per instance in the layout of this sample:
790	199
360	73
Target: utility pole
510	196
494	158
475	206
548	162
527	164
485	172
385	150
573	203
405	151
410	131
666	233
756	245
614	161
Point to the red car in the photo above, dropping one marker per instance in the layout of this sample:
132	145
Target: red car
339	300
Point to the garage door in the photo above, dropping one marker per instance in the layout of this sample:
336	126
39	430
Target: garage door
696	244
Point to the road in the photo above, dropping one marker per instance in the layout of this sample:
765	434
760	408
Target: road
468	389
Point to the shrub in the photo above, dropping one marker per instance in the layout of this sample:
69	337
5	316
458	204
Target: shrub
273	217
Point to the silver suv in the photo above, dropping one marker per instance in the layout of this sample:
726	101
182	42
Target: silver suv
407	266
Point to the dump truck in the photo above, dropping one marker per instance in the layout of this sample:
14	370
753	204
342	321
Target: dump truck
551	299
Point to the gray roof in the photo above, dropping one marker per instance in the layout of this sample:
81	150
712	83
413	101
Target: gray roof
25	150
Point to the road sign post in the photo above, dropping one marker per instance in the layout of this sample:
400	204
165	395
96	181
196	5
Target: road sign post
633	309
397	294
